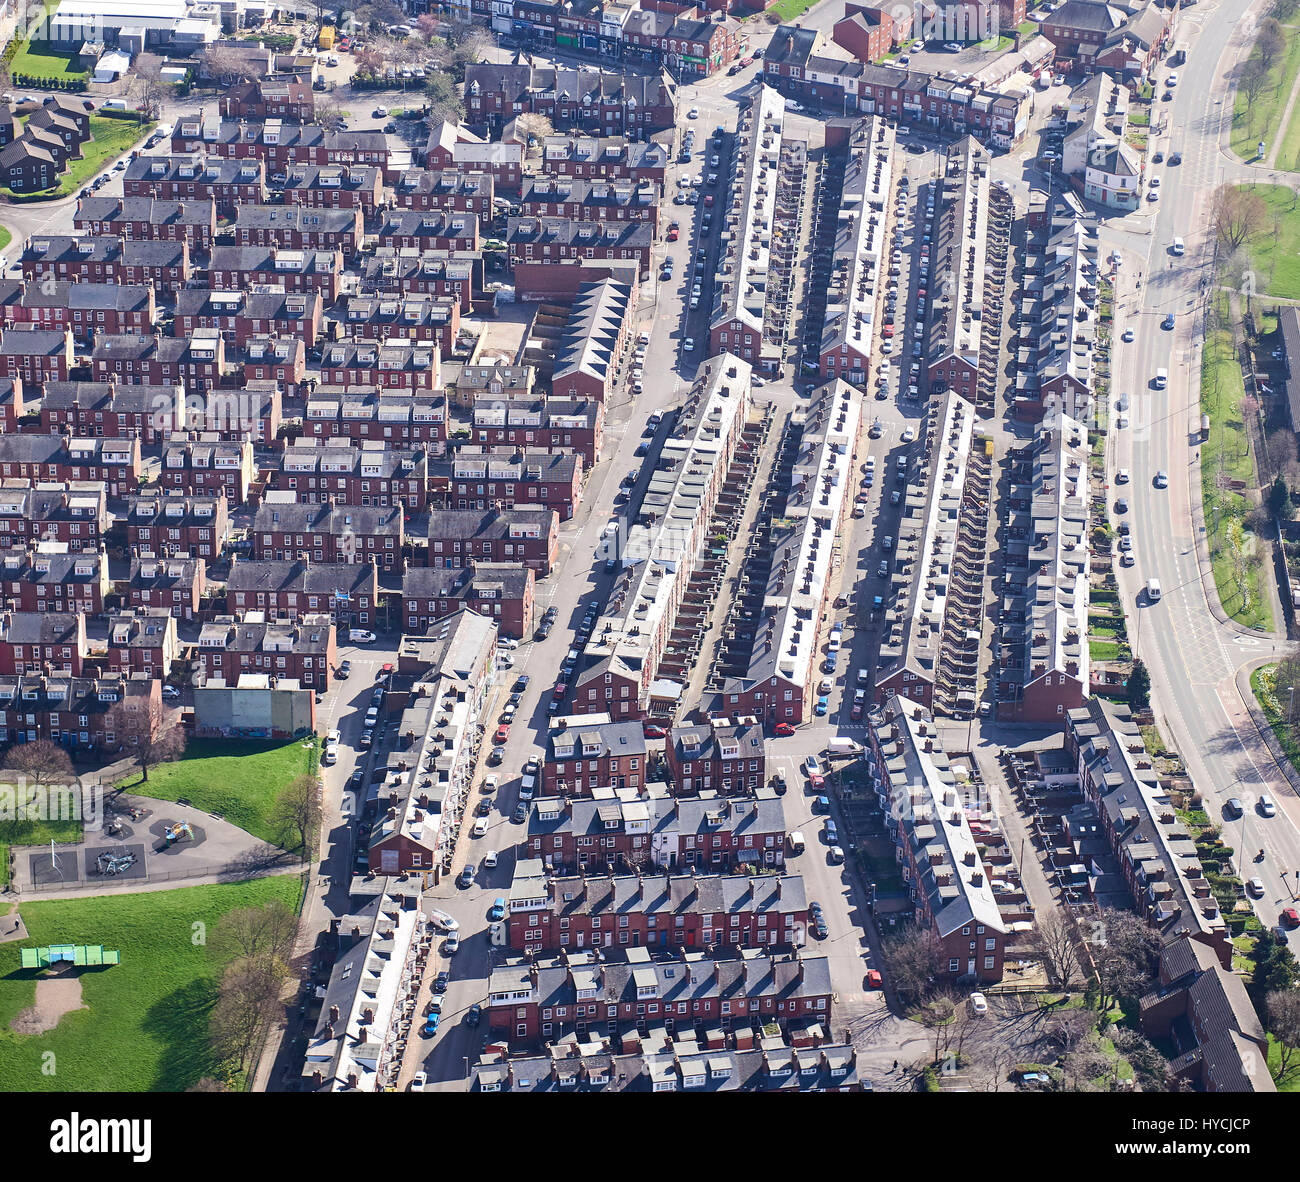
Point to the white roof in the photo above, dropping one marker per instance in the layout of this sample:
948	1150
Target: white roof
136	10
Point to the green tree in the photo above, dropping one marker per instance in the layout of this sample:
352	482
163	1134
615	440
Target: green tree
1139	686
1279	499
1275	966
444	99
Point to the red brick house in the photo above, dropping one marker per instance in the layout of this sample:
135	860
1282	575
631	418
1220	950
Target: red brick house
228	183
74	712
446	190
411	229
282	360
549	240
63	459
143	640
392	365
241	315
366	475
299	227
385	416
147	219
590	200
585	98
582	757
113	411
328	532
32	642
575	835
207	465
663	910
305	649
269	98
503	592
709	757
425	318
176	583
549	424
482	480
50	578
75	515
195	524
82	308
348	591
196	362
164	264
459	537
334	186
438	273
240	268
42	355
606	158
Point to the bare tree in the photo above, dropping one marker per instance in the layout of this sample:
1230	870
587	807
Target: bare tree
1126	953
426	25
938	1016
255	933
228	65
1054	942
150	733
535	126
247	1001
296	814
913	960
41	762
150	89
1270	42
1252	81
1237	216
329	113
1282	1009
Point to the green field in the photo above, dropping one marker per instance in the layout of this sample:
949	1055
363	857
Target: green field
39	59
1225	509
6	237
146	1022
1259	121
237	779
1275	254
787	10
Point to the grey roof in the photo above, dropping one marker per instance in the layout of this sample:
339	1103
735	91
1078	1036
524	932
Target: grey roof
305	517
481	524
506	580
599	313
155	211
306	577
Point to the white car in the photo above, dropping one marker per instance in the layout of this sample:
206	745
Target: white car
979	1005
1255	887
688	345
507	642
419	1080
908	435
170	692
451	945
1266	806
1121	476
443	920
331	753
693	113
490	783
1162	479
490	859
643	339
480	826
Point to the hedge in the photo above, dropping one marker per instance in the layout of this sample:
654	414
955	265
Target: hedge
75	85
120	114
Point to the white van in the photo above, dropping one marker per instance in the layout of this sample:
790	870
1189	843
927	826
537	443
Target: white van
842	748
797	843
1162	378
1153	590
114	105
1180	247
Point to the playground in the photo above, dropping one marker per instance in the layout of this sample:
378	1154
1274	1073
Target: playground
141	841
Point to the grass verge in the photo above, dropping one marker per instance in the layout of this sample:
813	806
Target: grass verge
1276	253
144	1023
6	237
1261	684
112	138
238	780
1226	458
1252	122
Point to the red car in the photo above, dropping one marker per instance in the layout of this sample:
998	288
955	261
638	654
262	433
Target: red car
874	979
652	730
1292	917
856	712
887	331
559	691
746	61
503	733
673	235
783	728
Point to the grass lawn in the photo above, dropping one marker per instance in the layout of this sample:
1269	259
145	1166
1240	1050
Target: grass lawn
6	237
33	833
787	10
1227	451
1292	1081
1028	28
1276	253
40	59
146	1021
238	779
1107	650
1252	122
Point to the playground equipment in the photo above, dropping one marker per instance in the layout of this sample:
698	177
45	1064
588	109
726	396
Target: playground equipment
74	954
181	831
115	863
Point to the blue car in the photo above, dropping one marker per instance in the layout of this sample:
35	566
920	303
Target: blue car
498	909
832	833
822	804
1168	321
431	1025
823	704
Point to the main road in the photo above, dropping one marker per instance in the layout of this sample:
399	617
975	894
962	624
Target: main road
1193	652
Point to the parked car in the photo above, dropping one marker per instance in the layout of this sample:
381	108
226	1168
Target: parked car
498	909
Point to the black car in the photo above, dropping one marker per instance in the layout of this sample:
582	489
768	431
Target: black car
515	699
643	448
521	813
473	1014
354	782
820	930
343	670
377	698
543	631
484	807
440	983
521	683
